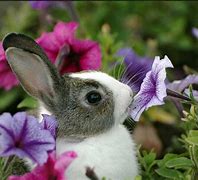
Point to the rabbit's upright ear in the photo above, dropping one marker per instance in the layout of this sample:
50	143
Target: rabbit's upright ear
31	66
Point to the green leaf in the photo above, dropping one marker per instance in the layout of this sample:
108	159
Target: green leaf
166	158
138	177
149	158
29	103
181	162
8	97
193	133
192	140
169	173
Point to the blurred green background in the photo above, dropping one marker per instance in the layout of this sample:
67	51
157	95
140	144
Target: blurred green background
150	27
163	25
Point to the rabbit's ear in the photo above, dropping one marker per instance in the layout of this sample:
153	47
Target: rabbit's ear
31	66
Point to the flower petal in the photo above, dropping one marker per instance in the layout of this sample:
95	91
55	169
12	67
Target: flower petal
23	136
49	123
40	4
136	68
64	32
52	169
195	32
7	77
2	53
63	162
153	88
49	43
180	85
91	58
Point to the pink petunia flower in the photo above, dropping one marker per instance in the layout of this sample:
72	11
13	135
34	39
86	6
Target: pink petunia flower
54	168
7	78
77	54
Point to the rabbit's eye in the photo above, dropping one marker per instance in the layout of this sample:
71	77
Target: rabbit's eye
93	97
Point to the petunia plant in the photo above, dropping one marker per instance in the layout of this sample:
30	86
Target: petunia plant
69	53
153	89
147	79
23	136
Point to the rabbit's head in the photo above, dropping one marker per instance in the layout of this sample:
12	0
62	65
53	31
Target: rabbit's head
85	103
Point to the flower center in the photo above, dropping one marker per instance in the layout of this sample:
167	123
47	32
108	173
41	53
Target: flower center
66	58
74	57
53	177
19	144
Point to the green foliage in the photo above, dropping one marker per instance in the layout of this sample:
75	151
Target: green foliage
8	97
109	46
22	20
29	103
176	166
12	166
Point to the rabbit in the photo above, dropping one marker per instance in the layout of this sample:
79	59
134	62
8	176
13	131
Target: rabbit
90	107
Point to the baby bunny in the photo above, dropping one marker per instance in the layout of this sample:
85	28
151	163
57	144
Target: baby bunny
89	106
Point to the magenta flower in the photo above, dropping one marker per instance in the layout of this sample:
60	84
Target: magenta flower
153	88
54	168
23	135
7	78
75	54
136	68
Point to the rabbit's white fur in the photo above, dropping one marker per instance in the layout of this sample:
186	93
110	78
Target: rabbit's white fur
111	154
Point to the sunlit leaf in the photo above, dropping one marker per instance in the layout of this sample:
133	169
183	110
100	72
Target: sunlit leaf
193	133
192	140
169	173
181	162
29	103
166	158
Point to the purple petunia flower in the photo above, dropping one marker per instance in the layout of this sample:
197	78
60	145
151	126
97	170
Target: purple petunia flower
195	32
49	123
181	85
40	4
153	88
23	135
136	68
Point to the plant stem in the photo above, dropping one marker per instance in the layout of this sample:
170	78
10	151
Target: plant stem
177	95
7	163
71	10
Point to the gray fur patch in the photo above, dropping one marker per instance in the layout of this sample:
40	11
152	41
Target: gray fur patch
77	120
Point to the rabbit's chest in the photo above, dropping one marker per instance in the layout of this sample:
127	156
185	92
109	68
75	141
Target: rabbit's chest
111	155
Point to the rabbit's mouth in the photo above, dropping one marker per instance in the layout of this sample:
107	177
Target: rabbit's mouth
128	109
126	113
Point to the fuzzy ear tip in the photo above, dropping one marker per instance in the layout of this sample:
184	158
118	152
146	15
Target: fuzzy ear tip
7	39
